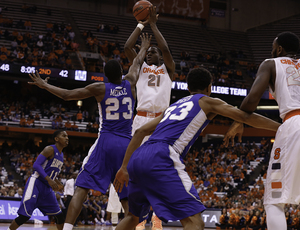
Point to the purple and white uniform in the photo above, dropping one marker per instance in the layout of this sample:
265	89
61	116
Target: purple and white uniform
157	173
38	193
106	155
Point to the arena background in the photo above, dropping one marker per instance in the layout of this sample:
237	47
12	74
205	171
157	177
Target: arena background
228	37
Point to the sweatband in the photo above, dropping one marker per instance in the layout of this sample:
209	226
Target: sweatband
141	26
37	166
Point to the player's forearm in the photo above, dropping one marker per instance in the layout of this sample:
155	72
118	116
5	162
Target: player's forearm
59	92
133	145
140	57
261	122
130	43
161	42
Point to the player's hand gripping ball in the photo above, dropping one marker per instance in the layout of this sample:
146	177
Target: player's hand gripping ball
141	10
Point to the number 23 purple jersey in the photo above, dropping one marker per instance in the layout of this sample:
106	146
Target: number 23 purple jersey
116	109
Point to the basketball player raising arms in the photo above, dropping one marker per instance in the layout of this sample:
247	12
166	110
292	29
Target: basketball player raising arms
281	74
155	80
116	103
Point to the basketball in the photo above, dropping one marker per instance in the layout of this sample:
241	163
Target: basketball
141	10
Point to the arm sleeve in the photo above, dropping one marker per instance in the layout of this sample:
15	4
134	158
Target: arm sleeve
38	165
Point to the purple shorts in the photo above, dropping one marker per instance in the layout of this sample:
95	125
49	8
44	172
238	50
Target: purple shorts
158	179
38	195
100	166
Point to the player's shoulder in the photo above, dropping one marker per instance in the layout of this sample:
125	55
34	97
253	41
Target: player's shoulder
48	151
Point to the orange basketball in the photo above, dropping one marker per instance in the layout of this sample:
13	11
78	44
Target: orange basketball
141	10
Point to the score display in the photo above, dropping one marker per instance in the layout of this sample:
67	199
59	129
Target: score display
83	76
77	75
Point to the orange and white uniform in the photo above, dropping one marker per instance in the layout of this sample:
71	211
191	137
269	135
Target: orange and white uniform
283	181
153	94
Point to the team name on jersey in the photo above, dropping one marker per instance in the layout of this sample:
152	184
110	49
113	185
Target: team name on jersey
149	70
57	164
118	92
289	62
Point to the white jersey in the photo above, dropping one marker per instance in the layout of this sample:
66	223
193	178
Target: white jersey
153	88
287	84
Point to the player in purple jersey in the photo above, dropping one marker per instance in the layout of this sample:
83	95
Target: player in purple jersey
38	192
158	161
116	102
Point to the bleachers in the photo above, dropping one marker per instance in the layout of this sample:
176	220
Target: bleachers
44	123
179	36
262	37
38	19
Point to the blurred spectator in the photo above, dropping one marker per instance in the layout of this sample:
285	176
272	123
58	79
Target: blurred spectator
19	193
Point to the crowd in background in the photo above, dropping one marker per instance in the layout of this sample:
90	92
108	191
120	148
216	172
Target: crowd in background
47	48
222	176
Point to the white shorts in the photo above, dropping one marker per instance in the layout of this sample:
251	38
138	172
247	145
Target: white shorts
283	178
138	122
114	204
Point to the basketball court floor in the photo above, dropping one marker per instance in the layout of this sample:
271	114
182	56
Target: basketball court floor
4	226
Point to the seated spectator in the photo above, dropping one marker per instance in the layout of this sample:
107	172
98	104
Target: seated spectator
74	127
49	26
68	125
27	25
19	193
4	50
19	38
95	127
69	63
30	122
40	43
3	57
69	27
10	176
88	127
37	117
23	121
25	7
79	116
71	35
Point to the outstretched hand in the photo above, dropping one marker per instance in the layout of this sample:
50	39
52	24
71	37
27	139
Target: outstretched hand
37	80
121	178
145	38
153	17
236	128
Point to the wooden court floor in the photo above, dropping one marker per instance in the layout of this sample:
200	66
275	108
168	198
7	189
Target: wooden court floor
4	226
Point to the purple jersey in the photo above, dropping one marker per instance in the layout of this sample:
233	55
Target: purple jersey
181	125
116	109
51	167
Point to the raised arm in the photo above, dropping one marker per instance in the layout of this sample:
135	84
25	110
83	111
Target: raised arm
161	42
134	69
96	89
129	46
147	129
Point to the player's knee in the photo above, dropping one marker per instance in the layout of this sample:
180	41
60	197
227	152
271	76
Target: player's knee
60	218
21	219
